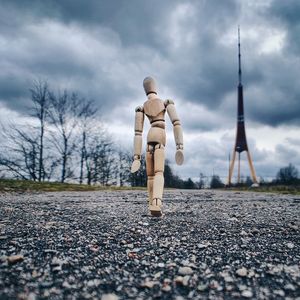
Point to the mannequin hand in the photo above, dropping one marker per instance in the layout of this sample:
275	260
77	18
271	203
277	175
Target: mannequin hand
179	157
135	165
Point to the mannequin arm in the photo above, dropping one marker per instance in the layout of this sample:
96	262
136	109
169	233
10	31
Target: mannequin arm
138	139
171	110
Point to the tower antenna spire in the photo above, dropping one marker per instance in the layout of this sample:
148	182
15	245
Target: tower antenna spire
239	46
240	140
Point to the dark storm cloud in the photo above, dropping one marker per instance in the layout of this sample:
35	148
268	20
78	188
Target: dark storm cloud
275	100
288	14
201	70
103	49
13	89
133	21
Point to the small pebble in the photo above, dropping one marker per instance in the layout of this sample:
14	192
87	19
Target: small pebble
166	288
109	297
185	271
247	294
242	272
15	259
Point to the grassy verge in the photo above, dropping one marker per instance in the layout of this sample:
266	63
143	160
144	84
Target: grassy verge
12	185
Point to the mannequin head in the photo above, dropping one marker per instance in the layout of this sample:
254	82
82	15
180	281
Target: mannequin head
149	86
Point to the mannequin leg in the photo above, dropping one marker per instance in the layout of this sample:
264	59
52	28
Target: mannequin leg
150	171
158	183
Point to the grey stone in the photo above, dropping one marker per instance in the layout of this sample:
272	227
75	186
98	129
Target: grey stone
247	294
242	272
185	271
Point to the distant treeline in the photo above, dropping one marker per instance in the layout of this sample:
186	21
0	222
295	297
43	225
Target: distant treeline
288	175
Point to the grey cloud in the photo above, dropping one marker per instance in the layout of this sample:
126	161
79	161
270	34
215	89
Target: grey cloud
293	142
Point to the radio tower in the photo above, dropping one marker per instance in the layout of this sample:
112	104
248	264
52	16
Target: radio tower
240	140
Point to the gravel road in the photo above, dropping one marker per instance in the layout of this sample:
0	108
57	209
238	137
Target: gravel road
104	245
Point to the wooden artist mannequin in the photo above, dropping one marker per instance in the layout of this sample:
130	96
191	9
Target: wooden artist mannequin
155	109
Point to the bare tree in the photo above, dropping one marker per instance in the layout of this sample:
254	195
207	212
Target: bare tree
201	181
107	164
24	152
63	113
40	99
216	182
287	175
100	159
139	178
86	122
124	161
20	154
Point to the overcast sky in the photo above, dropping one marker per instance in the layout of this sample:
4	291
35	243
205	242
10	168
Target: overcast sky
103	49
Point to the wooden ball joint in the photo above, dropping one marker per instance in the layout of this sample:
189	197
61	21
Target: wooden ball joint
155	108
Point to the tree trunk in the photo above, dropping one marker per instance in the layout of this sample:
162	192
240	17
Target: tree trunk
64	161
83	151
41	166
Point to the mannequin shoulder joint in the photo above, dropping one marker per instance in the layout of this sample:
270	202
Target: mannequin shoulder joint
139	109
168	102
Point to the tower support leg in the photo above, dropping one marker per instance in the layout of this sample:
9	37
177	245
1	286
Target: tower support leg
231	167
239	169
251	168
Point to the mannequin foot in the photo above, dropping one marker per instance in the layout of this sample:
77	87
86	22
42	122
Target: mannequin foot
155	207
